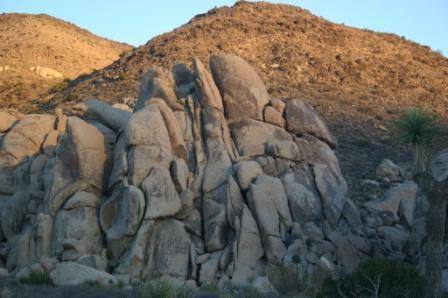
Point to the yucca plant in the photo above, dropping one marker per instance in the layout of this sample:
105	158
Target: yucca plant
419	129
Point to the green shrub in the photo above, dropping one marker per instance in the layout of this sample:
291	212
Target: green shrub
162	289
184	292
71	97
60	86
37	278
251	292
155	290
376	278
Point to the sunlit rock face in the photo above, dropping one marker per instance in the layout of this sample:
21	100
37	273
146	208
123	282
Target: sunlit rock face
208	180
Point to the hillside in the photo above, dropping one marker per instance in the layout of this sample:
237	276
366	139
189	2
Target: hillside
38	51
357	79
298	55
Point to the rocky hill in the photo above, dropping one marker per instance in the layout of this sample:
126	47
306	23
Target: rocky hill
357	79
210	180
37	52
352	76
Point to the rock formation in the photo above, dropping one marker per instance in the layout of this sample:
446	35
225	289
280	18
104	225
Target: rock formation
209	180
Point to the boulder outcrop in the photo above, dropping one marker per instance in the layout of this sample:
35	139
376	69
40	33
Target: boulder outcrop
209	179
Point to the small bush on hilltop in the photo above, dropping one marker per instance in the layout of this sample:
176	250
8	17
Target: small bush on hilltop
376	278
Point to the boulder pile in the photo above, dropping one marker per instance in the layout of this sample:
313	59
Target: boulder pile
210	179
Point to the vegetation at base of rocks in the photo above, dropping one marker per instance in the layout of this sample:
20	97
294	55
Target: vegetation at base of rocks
37	278
210	288
251	292
161	289
286	279
230	291
5	293
376	278
164	289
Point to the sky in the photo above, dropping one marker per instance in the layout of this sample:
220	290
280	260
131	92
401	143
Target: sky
137	21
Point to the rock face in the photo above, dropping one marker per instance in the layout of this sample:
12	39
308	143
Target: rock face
72	274
242	90
208	180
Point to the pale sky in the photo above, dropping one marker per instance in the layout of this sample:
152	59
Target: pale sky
137	21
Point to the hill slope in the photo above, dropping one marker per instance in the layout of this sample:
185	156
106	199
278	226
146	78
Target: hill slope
298	55
357	79
37	51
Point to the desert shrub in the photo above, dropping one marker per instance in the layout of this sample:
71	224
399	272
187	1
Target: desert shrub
71	97
123	54
286	279
121	77
251	292
376	278
184	292
155	290
60	86
162	289
230	290
37	278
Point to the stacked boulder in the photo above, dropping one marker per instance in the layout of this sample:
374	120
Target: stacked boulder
209	180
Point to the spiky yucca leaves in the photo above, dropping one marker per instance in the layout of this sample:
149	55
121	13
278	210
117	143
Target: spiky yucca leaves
419	128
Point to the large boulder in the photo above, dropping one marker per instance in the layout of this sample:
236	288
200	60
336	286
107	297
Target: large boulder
304	201
268	202
161	196
93	109
123	223
251	137
25	139
148	138
6	121
79	164
206	88
387	169
243	92
404	194
301	119
249	249
158	83
73	274
333	191
76	230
